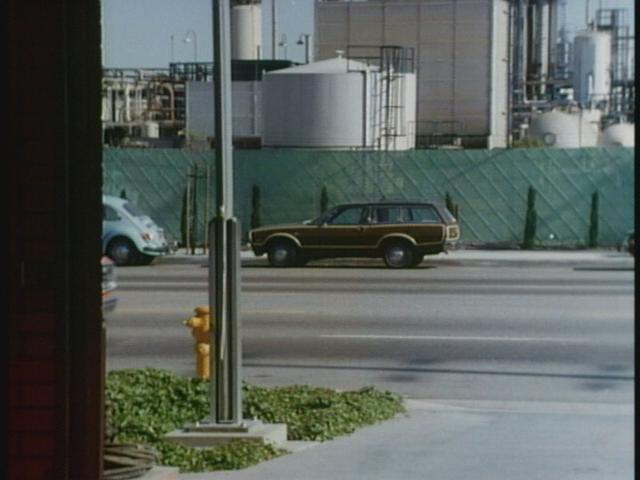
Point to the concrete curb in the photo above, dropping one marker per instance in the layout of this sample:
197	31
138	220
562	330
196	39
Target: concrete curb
607	259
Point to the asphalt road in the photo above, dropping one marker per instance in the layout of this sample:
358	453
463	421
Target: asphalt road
454	330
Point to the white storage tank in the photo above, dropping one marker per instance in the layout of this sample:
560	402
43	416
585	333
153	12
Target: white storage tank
246	32
564	130
333	104
619	134
151	129
592	66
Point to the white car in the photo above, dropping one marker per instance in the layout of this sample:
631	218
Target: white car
129	236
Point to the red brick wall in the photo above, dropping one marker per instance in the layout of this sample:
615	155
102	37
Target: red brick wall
54	330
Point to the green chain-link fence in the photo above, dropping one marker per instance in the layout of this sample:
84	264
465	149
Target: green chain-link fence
488	186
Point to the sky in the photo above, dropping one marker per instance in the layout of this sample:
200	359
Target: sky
152	33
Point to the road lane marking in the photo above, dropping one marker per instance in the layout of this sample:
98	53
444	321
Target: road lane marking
452	338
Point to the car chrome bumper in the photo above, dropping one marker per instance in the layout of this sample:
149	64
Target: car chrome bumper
157	250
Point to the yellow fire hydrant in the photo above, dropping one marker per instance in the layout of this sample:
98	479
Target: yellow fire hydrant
200	327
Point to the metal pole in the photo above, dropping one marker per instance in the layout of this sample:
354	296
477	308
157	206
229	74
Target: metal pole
225	400
307	57
207	202
273	29
187	212
194	194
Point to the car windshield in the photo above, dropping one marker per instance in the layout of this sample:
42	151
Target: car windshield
133	210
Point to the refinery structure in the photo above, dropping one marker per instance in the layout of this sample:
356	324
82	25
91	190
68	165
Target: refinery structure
398	75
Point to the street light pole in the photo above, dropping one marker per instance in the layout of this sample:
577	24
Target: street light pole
304	40
283	44
171	51
192	37
224	260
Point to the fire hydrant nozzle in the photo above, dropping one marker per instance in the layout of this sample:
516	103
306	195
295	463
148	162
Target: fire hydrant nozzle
200	330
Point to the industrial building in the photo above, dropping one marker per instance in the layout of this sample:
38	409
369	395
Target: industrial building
461	51
397	75
490	70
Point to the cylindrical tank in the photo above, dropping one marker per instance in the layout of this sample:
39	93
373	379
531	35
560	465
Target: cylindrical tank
246	32
318	105
564	130
151	129
591	66
619	134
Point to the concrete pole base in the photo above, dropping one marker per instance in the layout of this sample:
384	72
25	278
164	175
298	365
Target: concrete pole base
210	434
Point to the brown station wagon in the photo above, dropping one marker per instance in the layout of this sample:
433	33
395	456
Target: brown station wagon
401	233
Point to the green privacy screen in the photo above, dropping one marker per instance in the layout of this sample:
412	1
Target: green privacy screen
489	187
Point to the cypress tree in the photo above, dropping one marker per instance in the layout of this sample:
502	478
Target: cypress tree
448	202
324	200
530	220
255	207
593	226
452	207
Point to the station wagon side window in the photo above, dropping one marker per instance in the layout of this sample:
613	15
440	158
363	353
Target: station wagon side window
109	214
425	214
348	216
390	215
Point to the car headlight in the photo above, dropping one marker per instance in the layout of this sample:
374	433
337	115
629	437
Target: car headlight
146	236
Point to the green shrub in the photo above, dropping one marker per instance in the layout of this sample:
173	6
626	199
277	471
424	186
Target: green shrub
317	414
143	405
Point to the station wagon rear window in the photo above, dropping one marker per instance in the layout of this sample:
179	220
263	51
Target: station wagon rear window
390	215
425	214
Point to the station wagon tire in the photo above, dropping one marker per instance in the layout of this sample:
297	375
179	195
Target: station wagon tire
122	251
398	254
417	259
283	253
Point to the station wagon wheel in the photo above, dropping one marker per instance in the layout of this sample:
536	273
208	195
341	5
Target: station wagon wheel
398	254
122	251
282	253
417	259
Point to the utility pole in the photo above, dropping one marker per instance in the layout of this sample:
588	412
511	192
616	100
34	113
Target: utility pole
224	260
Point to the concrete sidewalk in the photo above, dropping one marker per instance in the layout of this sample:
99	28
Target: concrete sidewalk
468	440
